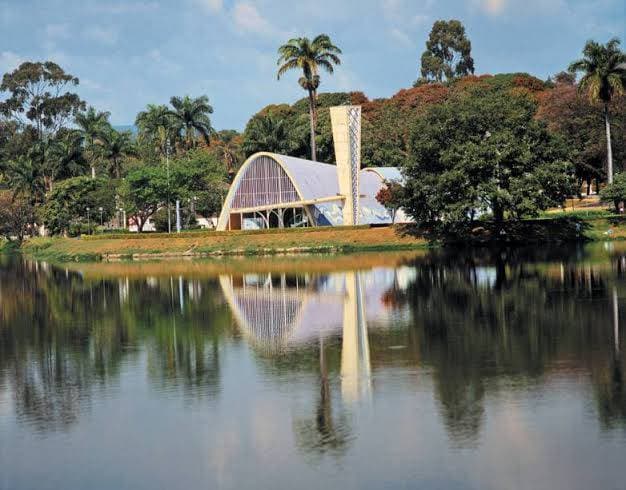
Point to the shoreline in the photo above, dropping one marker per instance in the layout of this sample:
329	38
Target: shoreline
293	242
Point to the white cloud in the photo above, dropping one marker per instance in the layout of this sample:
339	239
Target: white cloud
102	35
248	19
9	61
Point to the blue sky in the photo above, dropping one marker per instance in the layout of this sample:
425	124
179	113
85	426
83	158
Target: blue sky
128	53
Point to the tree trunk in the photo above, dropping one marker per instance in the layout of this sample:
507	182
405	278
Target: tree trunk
312	116
609	150
498	217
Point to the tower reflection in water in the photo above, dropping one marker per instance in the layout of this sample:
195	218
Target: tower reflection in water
277	312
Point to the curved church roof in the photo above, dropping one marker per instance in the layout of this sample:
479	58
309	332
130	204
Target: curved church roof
314	179
386	173
268	179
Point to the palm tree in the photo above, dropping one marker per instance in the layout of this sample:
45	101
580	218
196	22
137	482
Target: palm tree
266	133
65	158
306	55
117	145
192	117
229	145
157	126
92	124
604	77
25	178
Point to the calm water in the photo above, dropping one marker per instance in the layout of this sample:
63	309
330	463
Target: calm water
433	371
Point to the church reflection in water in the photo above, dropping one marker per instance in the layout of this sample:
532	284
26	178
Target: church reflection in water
277	312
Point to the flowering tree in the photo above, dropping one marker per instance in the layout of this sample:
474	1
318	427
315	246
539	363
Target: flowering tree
390	196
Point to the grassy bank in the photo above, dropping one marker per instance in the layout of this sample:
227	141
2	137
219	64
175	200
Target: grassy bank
311	240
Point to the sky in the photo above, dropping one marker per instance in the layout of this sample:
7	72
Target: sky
129	53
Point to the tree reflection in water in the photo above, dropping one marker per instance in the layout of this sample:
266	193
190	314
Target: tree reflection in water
480	323
62	338
496	320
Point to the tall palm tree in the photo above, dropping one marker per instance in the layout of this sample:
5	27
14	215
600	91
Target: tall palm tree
116	146
157	126
604	77
92	124
309	56
192	117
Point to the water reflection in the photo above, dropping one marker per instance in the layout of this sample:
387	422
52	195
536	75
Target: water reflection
468	329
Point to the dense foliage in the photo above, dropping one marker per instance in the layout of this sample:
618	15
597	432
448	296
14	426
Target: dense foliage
483	152
504	145
67	168
79	201
615	192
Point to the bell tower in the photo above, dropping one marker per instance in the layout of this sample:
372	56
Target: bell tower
346	123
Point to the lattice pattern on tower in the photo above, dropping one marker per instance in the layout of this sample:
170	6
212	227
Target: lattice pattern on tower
354	128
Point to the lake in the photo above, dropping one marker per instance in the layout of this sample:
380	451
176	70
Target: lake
432	370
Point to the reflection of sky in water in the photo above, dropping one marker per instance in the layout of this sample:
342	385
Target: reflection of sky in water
457	396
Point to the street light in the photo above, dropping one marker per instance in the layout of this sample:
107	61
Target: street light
88	222
167	164
100	209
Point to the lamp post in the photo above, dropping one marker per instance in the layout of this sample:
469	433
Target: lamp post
167	164
101	222
88	222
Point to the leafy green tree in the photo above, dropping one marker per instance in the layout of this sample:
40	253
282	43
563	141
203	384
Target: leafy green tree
309	56
604	77
571	115
93	125
615	192
384	136
38	95
38	104
448	52
116	146
35	171
76	200
267	132
191	117
144	189
17	216
483	152
199	181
